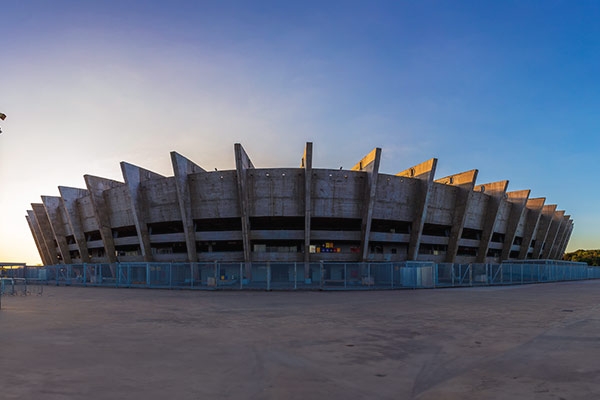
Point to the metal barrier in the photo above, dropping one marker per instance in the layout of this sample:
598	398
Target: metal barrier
13	286
316	276
19	286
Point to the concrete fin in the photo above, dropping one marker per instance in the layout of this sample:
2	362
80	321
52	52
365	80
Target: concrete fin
536	203
570	226
241	157
425	170
533	214
368	162
71	193
518	196
518	199
306	161
493	189
555	225
135	175
30	223
496	191
183	165
96	186
69	196
52	205
38	238
560	236
243	163
46	231
543	229
50	201
465	181
466	178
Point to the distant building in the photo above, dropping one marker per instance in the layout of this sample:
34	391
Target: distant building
300	214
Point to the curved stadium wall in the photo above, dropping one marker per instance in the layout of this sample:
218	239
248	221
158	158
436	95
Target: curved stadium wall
300	214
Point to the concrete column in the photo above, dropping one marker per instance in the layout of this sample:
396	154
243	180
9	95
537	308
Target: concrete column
532	220
551	238
557	220
496	192
563	247
134	176
182	167
567	238
52	205
69	198
425	172
558	242
465	182
242	164
96	186
542	232
558	238
38	238
46	232
306	163
369	164
518	201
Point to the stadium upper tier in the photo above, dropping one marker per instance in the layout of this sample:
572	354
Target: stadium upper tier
300	214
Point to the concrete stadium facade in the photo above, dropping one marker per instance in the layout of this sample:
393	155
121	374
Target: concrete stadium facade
300	214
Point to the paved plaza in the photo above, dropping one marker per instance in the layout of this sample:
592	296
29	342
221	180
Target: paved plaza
518	342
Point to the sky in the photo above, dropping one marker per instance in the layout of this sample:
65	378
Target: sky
510	88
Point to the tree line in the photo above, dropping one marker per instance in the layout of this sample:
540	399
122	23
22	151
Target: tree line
592	257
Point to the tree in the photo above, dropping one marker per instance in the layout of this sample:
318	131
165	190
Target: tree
592	257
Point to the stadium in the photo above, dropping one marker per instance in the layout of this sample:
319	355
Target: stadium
302	215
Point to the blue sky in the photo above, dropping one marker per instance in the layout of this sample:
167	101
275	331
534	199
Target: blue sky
508	87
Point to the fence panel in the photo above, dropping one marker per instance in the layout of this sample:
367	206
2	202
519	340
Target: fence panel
462	275
20	287
133	275
356	276
159	275
495	276
261	277
418	275
382	275
312	275
229	275
479	274
333	275
445	275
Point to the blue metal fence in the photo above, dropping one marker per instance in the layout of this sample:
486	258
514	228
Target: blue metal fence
295	276
17	286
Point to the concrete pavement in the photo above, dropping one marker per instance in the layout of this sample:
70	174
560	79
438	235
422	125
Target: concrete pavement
520	342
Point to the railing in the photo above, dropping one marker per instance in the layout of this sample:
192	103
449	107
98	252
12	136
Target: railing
316	276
